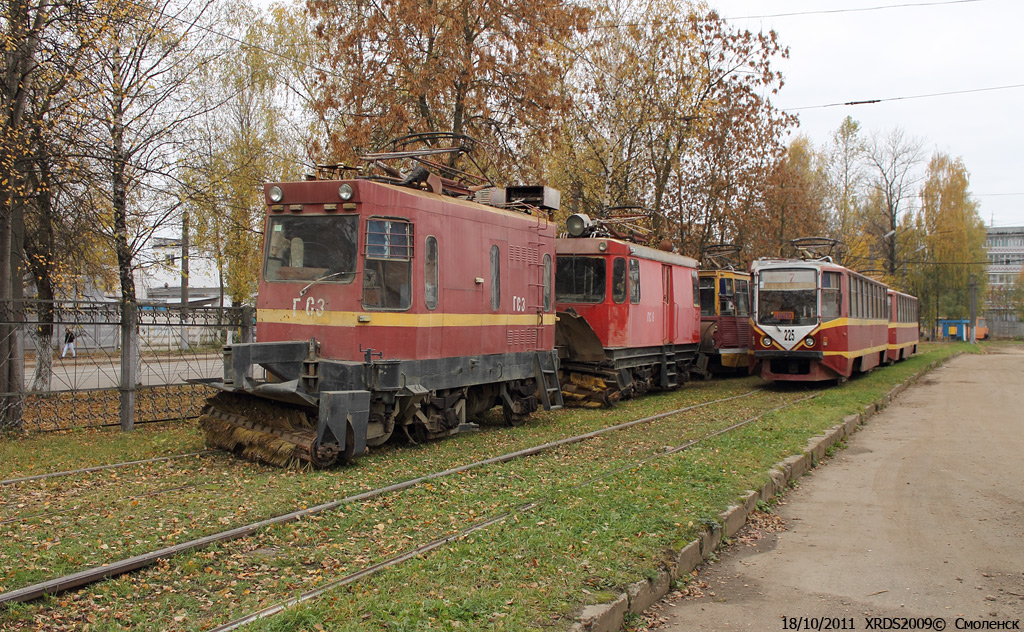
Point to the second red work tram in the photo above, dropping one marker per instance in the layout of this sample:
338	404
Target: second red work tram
628	315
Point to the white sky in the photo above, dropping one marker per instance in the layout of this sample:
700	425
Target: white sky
910	48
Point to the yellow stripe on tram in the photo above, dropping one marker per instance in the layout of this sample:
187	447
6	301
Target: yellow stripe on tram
399	319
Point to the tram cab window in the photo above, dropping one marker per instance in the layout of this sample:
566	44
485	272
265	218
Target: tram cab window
726	297
387	269
430	277
787	297
312	248
707	296
580	279
831	296
619	280
634	281
742	298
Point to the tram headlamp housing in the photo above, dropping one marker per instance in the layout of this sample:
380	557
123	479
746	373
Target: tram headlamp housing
275	194
577	224
766	342
809	341
345	192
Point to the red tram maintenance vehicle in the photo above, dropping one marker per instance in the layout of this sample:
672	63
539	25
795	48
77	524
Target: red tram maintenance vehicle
816	320
903	326
393	302
628	314
724	313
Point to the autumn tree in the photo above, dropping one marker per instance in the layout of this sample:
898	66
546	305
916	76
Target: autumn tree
671	114
955	240
141	120
794	200
893	159
476	67
845	173
45	47
250	137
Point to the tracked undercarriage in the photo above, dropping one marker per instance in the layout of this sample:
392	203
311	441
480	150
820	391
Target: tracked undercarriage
592	376
316	411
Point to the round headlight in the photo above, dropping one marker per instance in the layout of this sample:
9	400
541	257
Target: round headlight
809	341
766	341
602	246
276	194
577	224
345	192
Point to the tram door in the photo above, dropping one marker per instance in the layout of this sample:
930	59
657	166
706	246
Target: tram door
669	316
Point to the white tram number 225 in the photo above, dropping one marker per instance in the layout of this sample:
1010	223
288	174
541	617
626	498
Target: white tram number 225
788	335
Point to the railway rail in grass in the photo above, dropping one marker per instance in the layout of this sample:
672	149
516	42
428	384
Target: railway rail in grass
477	526
100	468
358	563
113	569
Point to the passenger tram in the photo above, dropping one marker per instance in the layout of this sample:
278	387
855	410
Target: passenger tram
815	320
724	312
628	314
903	326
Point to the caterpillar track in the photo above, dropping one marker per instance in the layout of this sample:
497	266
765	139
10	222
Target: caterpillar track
264	431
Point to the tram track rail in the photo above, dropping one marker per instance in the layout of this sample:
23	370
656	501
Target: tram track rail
101	468
134	563
480	525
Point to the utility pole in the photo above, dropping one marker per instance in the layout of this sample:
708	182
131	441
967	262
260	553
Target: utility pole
184	281
974	310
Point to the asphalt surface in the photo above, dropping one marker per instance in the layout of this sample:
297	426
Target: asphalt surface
921	518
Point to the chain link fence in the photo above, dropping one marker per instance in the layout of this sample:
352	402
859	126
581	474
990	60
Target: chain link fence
78	367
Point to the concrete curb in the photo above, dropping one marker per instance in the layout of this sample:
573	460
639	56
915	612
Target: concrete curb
639	596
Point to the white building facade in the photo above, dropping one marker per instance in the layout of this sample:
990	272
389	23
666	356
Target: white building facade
1005	249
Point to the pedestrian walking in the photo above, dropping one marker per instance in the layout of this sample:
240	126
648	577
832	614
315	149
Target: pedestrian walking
69	343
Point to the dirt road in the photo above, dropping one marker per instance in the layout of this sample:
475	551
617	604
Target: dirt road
922	516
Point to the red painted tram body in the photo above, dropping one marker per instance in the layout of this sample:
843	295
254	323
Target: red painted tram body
387	308
903	326
626	312
814	320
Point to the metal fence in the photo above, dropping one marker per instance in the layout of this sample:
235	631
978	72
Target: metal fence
112	375
1004	324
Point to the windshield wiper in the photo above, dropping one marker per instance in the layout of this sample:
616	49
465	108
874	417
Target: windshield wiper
303	291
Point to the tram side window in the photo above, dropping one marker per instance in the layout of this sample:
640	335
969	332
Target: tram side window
495	278
430	273
831	296
853	297
619	280
547	283
707	296
695	284
387	269
742	298
634	281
